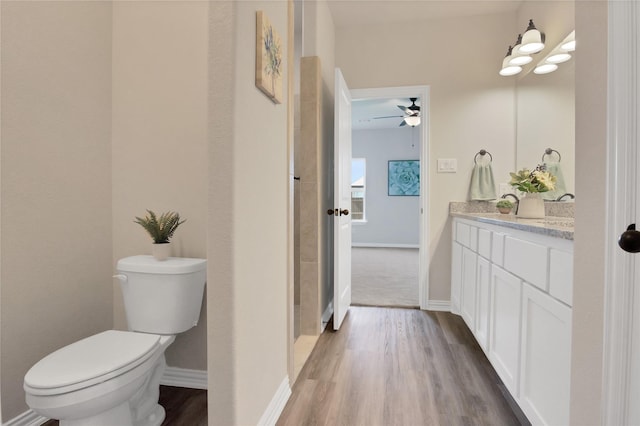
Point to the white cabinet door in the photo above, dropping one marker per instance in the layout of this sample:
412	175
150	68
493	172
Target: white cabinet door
504	327
483	298
469	270
546	358
456	277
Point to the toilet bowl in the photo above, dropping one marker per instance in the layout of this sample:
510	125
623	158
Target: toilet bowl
113	377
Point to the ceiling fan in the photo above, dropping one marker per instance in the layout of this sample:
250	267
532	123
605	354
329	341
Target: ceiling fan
411	117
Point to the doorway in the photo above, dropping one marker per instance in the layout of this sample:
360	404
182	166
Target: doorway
389	236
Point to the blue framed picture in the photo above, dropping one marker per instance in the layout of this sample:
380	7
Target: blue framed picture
404	177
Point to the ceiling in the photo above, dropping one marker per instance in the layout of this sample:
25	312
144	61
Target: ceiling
363	111
349	13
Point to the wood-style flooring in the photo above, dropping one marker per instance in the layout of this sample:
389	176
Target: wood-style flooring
399	367
183	407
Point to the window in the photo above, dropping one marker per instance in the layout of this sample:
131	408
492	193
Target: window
358	179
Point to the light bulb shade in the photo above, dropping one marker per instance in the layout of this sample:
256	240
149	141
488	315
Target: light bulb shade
558	58
545	68
569	46
518	59
532	40
510	70
412	120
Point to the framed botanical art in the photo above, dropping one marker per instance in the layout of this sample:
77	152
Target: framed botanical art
404	177
268	58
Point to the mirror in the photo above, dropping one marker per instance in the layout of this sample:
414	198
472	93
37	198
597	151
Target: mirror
545	118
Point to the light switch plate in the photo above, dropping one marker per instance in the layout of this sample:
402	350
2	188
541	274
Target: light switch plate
447	165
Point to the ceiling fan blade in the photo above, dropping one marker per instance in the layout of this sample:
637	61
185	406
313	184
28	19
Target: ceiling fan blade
404	109
388	116
403	123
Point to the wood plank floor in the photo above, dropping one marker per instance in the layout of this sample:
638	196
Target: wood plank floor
183	406
399	367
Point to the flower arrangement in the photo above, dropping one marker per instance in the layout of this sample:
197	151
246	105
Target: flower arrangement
533	181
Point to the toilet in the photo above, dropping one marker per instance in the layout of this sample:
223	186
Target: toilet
113	377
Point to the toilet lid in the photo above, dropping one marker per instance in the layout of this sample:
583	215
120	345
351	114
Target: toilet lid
90	359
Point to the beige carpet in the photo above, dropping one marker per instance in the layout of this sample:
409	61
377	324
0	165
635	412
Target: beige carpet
384	276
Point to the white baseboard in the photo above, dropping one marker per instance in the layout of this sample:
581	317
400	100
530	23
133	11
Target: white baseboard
184	378
383	245
279	400
28	418
439	305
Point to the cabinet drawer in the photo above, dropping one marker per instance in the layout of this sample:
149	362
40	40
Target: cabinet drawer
467	235
497	248
484	243
561	275
527	260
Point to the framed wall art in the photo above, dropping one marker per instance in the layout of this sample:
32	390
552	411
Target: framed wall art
269	53
404	177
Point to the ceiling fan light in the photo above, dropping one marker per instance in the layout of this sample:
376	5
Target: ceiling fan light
532	40
545	68
412	120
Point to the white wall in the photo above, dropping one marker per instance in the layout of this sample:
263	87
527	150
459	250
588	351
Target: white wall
472	107
390	220
159	141
56	182
591	213
247	219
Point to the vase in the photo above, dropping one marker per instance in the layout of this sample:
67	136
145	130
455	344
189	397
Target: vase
531	206
161	251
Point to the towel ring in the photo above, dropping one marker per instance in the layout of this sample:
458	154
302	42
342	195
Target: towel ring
482	152
549	151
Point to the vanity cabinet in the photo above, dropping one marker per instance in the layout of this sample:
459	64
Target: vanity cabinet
513	289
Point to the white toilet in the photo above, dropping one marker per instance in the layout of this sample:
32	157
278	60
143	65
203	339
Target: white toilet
113	378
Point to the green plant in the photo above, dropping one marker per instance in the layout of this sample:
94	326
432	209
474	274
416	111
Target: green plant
504	204
160	228
538	180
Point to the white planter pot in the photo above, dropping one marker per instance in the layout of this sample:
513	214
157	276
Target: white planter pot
531	206
161	251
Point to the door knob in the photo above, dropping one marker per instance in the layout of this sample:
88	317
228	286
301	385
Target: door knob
338	212
629	240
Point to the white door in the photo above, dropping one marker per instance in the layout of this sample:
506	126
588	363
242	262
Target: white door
342	202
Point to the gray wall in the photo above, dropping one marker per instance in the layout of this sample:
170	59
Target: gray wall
390	220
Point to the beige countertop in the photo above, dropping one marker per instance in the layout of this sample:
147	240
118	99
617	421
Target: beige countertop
553	226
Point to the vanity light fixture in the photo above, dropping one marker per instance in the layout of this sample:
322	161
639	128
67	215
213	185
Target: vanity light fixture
507	68
557	56
545	68
517	58
569	43
532	40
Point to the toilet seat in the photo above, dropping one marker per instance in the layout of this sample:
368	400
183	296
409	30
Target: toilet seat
90	361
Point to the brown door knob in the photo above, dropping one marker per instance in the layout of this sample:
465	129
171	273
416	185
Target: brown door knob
332	212
344	212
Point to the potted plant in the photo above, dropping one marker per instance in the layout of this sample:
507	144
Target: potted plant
532	183
161	229
504	206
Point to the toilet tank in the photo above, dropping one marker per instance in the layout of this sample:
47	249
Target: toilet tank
162	297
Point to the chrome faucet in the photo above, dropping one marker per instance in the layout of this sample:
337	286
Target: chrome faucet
568	194
515	197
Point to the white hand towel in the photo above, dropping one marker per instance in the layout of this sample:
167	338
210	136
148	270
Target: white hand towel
483	185
561	189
